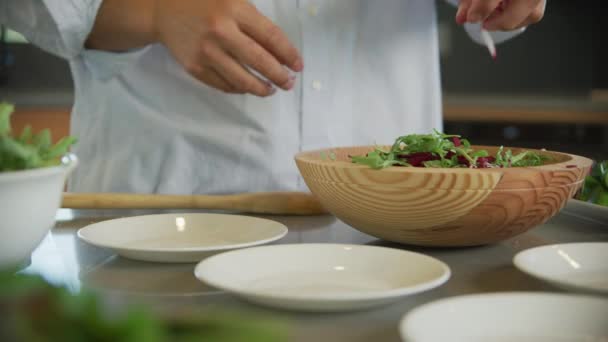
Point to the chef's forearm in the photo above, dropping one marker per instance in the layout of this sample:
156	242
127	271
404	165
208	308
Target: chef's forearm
122	25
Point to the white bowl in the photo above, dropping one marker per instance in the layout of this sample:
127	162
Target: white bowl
502	317
180	237
572	266
322	277
28	204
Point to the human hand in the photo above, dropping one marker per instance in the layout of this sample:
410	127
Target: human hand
217	41
504	15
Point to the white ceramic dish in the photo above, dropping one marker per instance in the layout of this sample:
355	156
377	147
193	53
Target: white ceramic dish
573	266
322	277
28	204
506	317
180	237
588	210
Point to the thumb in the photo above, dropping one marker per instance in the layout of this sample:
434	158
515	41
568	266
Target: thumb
463	9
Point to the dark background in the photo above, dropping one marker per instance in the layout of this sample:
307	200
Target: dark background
552	65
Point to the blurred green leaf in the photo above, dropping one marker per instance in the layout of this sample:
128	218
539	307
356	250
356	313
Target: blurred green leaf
42	140
33	310
602	197
28	150
595	186
26	135
6	110
61	148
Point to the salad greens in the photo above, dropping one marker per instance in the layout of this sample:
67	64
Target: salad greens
33	310
595	187
28	150
444	151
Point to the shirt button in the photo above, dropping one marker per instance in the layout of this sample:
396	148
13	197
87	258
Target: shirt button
317	85
313	10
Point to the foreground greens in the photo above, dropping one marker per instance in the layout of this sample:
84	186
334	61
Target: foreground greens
595	187
27	150
33	310
444	151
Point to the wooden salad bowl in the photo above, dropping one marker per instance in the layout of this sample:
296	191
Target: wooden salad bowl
441	206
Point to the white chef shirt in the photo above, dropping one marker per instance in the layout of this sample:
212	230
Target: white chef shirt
145	125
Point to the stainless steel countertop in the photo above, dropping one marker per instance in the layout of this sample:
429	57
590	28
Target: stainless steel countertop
63	259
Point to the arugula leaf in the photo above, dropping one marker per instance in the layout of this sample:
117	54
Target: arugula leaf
480	153
378	159
28	150
508	157
518	158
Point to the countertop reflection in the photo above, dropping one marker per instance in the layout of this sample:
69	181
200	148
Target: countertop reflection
63	259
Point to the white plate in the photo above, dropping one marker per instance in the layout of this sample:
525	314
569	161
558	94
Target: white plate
588	210
507	317
322	277
574	266
180	237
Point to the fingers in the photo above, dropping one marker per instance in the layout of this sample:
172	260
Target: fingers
535	17
239	79
271	38
250	53
505	15
215	80
479	10
228	45
515	15
463	10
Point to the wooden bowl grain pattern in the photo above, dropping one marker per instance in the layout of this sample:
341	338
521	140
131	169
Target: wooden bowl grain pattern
441	207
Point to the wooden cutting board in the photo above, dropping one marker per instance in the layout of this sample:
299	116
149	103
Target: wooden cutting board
275	203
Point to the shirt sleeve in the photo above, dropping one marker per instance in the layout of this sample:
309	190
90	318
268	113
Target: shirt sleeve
57	26
61	27
474	30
